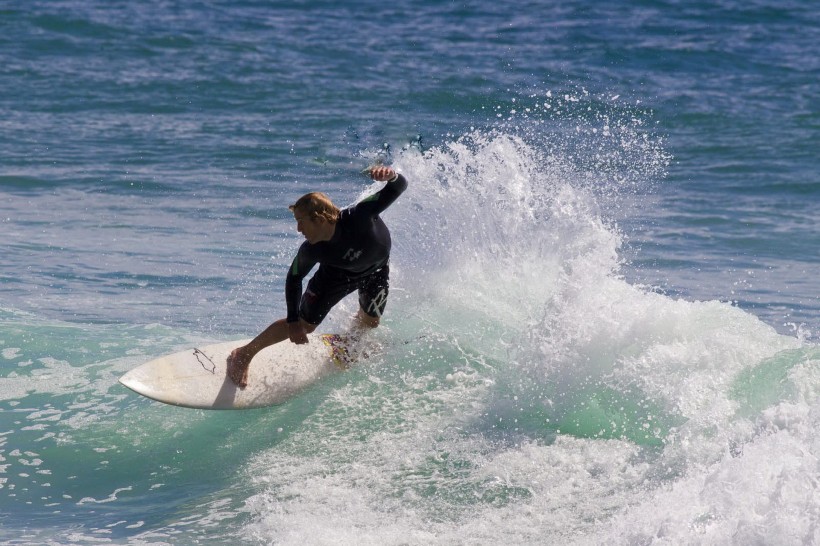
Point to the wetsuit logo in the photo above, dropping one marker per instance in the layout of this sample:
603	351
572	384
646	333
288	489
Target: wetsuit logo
352	255
377	304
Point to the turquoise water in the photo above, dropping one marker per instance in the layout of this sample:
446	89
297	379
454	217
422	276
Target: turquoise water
604	276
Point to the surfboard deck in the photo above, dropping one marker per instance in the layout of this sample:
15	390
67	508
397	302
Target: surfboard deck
197	377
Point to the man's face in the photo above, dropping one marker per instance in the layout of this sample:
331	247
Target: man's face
311	228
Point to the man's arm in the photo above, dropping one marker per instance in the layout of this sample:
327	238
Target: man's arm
379	201
301	266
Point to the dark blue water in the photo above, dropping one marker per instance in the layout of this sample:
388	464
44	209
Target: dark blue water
607	263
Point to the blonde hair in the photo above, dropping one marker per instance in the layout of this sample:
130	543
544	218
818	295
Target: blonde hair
317	205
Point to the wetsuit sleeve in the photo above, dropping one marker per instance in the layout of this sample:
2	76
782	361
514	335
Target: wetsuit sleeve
379	201
301	266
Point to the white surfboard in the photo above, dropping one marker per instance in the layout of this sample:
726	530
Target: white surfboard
197	378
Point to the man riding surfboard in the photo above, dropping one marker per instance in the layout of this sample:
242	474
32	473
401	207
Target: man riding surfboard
352	248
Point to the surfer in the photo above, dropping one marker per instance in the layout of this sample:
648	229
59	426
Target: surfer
352	248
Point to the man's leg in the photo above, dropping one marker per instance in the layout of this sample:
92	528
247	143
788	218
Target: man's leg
366	321
373	298
321	295
240	359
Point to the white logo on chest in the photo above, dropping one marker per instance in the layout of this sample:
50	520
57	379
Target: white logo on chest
352	255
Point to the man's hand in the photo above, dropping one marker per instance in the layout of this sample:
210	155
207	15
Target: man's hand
296	333
382	173
238	366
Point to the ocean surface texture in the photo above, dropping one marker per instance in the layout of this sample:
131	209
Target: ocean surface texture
605	282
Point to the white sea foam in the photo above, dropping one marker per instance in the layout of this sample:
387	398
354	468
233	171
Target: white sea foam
549	401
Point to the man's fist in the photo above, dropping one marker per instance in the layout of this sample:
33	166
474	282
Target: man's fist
382	173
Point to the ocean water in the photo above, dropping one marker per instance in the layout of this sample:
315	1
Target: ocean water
603	319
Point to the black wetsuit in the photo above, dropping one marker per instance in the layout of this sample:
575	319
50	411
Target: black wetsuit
355	258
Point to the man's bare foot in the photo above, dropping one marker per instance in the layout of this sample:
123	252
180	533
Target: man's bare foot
238	366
